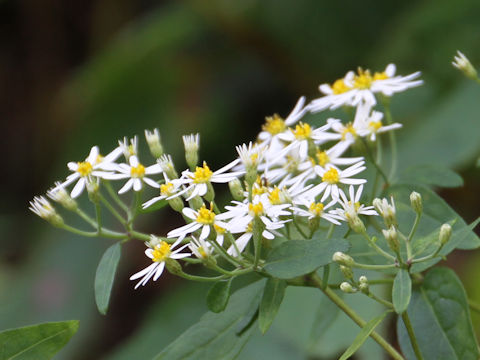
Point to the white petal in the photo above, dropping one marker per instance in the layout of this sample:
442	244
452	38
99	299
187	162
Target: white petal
78	188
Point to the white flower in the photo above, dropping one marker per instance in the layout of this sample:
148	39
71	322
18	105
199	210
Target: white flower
251	156
129	149
386	210
316	210
41	207
154	142
201	248
191	142
202	218
167	190
362	87
166	163
197	182
135	173
159	253
352	207
332	176
93	166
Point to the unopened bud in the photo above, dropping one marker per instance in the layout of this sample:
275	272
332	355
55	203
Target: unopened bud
176	203
167	166
196	202
192	144
386	210
173	266
445	233
355	223
154	241
416	202
60	195
236	189
210	194
392	238
41	207
93	188
363	287
462	63
154	143
363	279
347	272
347	288
343	259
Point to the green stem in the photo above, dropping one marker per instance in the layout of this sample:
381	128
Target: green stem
330	231
372	267
386	303
86	218
378	248
410	236
140	236
474	306
103	233
113	194
370	282
200	278
113	211
411	335
299	229
98	213
317	282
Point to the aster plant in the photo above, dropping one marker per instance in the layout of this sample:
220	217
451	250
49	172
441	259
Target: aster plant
312	205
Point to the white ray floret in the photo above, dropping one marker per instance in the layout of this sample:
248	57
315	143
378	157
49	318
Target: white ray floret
351	206
167	190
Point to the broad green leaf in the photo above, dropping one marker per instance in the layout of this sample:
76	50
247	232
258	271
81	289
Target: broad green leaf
298	257
363	335
271	300
105	275
401	291
39	342
215	336
435	175
440	318
218	295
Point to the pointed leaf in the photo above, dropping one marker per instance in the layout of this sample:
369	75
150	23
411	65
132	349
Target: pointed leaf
298	257
215	336
430	174
363	336
39	342
401	291
105	275
218	295
272	299
440	318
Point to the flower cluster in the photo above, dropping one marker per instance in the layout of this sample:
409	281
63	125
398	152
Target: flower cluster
294	175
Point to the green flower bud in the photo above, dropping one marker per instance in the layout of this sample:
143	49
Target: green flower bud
392	238
236	189
61	196
387	211
342	259
347	272
347	288
210	194
196	202
416	202
176	203
462	63
154	143
192	144
167	166
173	266
445	234
355	223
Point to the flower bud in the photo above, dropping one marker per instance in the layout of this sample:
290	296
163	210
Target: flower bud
167	166
196	202
210	194
347	288
355	223
192	144
416	202
176	203
173	266
236	189
342	259
41	207
386	210
93	188
154	143
445	233
462	63
363	287
154	241
363	279
392	238
347	272
58	194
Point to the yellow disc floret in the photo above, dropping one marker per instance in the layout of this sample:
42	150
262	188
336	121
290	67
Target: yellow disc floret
274	124
302	131
220	230
316	209
363	80
137	171
202	174
274	196
161	252
348	129
380	76
166	189
331	176
255	209
322	158
84	168
375	125
339	87
205	216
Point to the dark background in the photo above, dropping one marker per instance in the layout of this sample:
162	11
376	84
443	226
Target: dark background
75	74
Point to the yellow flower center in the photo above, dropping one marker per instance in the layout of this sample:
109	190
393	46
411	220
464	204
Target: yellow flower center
131	150
274	196
380	76
316	209
339	87
302	131
202	174
166	189
202	252
356	206
331	176
205	216
375	125
249	227
99	159
161	252
84	168
137	171
274	124
255	209
322	158
363	80
348	129
220	230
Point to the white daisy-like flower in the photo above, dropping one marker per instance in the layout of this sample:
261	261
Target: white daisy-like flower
351	206
202	218
201	248
93	166
129	149
333	176
386	210
373	125
159	254
166	163
250	155
191	142
41	207
167	190
462	63
136	173
362	87
316	210
196	182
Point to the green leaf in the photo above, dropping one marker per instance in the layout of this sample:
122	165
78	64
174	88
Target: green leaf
401	291
298	257
39	342
156	206
435	175
363	335
215	336
440	319
105	275
272	299
218	295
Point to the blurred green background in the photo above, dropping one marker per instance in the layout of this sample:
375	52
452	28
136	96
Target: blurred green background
75	74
